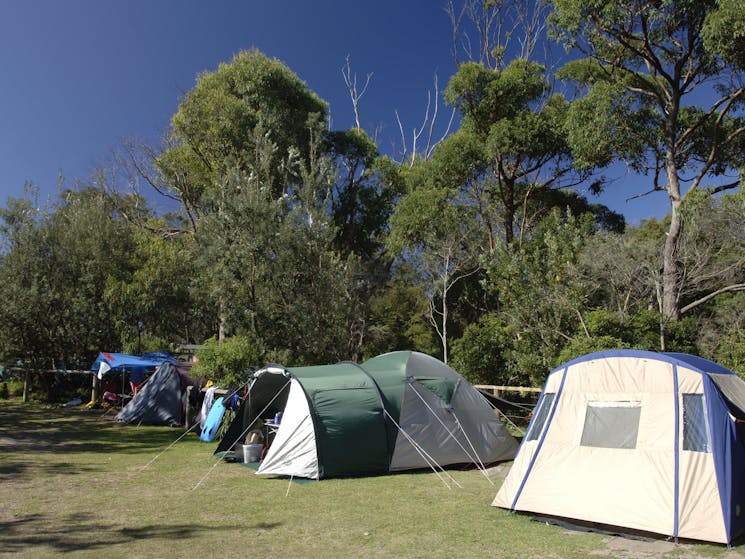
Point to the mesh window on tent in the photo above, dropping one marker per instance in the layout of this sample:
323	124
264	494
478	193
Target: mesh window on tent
541	415
695	424
611	424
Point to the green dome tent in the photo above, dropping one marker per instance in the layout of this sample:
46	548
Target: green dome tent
399	411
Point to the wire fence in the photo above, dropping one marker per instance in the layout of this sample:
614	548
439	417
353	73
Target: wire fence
50	385
62	385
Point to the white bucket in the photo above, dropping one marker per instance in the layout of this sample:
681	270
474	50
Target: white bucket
252	452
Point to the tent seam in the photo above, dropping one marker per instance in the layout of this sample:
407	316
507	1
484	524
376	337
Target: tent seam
543	438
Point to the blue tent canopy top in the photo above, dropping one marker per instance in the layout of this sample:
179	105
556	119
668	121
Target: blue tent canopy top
122	362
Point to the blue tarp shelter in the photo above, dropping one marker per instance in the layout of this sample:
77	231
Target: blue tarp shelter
124	363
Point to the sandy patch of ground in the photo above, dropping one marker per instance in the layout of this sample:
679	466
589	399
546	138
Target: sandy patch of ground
623	548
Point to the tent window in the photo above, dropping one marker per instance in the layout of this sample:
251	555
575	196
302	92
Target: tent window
611	424
541	415
695	424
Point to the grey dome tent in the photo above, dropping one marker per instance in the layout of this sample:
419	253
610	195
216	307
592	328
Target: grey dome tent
161	400
399	411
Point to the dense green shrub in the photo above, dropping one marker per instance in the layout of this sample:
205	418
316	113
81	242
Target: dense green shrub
228	363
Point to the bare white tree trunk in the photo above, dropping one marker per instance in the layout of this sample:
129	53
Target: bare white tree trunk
411	153
355	94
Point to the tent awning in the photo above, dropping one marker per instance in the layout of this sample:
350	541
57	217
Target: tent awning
733	390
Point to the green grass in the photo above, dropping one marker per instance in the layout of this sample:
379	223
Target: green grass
73	484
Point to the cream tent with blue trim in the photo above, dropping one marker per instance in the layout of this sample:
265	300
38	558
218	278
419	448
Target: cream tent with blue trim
646	441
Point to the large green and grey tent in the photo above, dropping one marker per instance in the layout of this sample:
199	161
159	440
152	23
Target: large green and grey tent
399	411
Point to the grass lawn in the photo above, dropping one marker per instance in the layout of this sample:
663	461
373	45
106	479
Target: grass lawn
72	484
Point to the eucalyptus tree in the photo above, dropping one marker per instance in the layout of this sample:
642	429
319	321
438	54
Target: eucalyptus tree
363	193
249	119
91	242
274	262
543	296
441	238
722	332
489	32
626	278
503	171
25	295
623	268
664	92
712	258
159	301
237	143
317	301
510	144
487	353
498	175
215	127
245	146
399	316
711	255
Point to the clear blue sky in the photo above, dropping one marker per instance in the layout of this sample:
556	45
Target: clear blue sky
78	76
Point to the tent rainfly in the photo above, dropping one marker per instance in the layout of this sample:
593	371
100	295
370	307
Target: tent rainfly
161	400
645	441
399	411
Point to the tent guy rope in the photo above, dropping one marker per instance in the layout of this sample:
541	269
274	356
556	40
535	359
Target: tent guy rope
243	434
476	460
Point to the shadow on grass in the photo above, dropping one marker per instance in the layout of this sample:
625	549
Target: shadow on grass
38	429
19	467
74	534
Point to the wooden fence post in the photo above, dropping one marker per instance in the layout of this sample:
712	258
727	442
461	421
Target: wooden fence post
187	411
95	388
26	385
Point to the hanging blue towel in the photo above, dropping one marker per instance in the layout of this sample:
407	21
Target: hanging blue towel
214	418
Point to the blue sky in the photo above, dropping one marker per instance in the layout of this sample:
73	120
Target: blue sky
79	76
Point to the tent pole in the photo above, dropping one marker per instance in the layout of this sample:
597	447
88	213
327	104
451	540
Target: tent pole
95	388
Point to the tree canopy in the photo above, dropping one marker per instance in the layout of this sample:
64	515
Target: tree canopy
297	243
664	92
